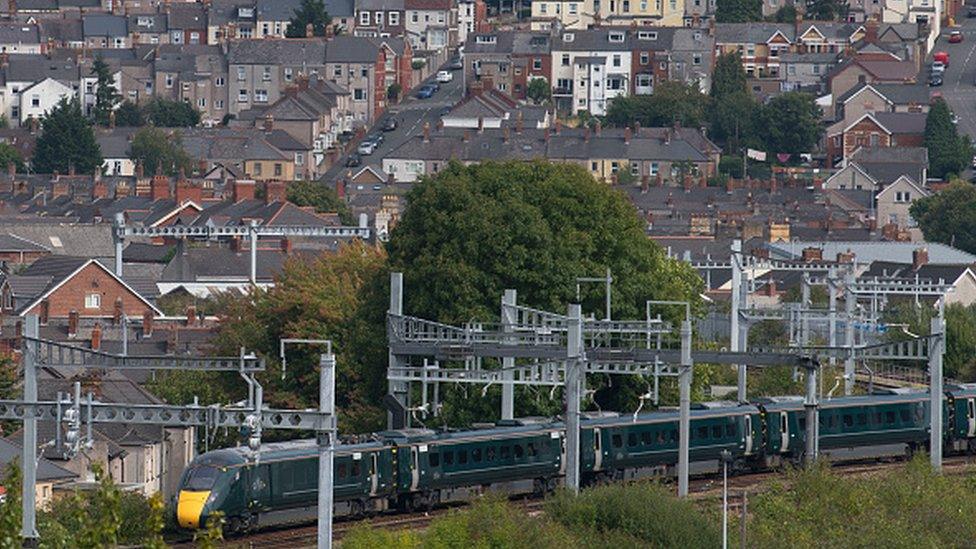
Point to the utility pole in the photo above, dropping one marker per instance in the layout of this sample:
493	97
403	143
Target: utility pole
508	387
326	442
850	300
684	407
936	348
396	388
734	331
29	451
810	404
574	374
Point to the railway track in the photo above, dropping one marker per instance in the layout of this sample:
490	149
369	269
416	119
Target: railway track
701	488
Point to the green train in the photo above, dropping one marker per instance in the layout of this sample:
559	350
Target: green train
409	469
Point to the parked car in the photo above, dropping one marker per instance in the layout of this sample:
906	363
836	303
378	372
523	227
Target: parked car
353	160
366	148
935	79
425	92
974	162
390	124
455	64
444	76
937	68
971	12
942	57
377	138
955	37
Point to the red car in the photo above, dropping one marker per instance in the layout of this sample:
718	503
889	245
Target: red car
955	37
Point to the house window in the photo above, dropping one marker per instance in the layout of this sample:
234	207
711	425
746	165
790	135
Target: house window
565	60
202	102
875	140
219	104
364	71
257	168
242	96
176	37
299	159
572	8
261	96
240	74
543	8
93	301
194	37
359	94
816	69
288	74
594	166
696	59
644	81
379	18
394	18
278	169
791	70
265	29
616	60
653	170
646	35
169	80
337	71
266	75
364	18
616	37
614	167
219	82
537	64
35	100
634	168
645	58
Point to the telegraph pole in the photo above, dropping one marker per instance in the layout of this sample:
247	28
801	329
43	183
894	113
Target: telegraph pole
326	441
574	366
29	454
508	387
684	407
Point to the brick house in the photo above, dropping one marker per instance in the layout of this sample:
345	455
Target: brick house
758	44
57	286
380	18
367	67
858	71
880	129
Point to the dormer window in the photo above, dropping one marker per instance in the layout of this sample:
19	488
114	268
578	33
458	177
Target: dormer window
485	39
144	21
245	12
616	37
568	37
646	35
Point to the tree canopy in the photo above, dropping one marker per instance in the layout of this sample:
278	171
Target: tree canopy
156	149
67	139
732	109
949	216
672	102
538	90
791	123
309	12
106	96
949	153
170	114
129	115
319	196
738	11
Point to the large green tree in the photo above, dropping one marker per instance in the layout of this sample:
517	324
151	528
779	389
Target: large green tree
10	155
170	114
826	10
791	123
106	96
732	109
949	216
738	11
129	115
949	153
671	102
309	12
473	231
158	148
538	90
67	139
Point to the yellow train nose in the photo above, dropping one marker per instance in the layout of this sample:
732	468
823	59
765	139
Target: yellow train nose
189	507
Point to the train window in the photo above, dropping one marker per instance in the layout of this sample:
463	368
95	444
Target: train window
877	418
618	441
646	438
831	421
802	422
729	430
476	455
201	479
531	448
356	469
716	431
848	420
506	452
889	417
674	435
462	457
518	451
632	439
862	418
702	432
342	470
906	417
490	453
660	437
822	420
434	459
448	458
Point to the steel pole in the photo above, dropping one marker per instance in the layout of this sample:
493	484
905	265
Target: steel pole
734	342
609	283
119	242
253	233
508	385
849	301
684	412
396	388
832	322
326	448
725	503
935	391
29	455
811	414
574	361
804	318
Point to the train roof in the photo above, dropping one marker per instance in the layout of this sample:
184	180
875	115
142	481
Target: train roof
841	402
961	389
240	455
701	410
510	427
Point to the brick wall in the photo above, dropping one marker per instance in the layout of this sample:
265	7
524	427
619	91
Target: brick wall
91	280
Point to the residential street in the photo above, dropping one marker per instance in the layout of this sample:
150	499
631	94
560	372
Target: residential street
959	89
411	115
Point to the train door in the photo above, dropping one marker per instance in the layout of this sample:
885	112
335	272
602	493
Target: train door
971	417
260	493
784	432
748	432
374	474
598	450
414	467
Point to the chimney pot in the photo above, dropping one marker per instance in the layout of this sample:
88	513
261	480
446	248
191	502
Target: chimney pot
920	257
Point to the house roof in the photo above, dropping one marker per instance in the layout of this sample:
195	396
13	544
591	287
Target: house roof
886	164
272	51
84	240
352	49
899	94
62	30
99	24
902	122
278	10
46	470
187	16
19	33
215	264
752	33
34	68
869	252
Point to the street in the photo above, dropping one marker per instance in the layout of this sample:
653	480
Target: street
959	89
411	114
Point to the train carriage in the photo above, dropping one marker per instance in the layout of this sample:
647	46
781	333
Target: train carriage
859	427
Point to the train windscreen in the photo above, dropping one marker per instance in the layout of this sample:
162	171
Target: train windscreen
201	479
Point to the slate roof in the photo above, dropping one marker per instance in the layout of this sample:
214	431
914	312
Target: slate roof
137	252
213	263
98	24
277	10
272	51
352	49
222	12
340	8
157	23
886	164
115	143
187	16
890	269
751	33
46	470
19	33
379	5
64	239
899	94
13	243
34	68
902	122
830	30
62	30
869	252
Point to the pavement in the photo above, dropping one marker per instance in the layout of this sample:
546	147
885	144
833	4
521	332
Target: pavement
411	114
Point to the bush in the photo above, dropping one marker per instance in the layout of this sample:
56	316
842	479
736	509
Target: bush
731	166
418	64
621	514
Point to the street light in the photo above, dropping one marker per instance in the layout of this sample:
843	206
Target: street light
726	457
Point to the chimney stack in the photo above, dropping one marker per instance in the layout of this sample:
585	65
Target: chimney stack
286	245
242	189
159	187
309	31
96	337
147	323
426	132
481	124
812	254
597	128
191	315
72	323
627	136
274	191
268	122
341	188
920	257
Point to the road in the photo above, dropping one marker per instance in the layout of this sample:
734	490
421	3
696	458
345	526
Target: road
959	89
411	114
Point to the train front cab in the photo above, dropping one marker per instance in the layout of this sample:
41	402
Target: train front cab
208	484
960	417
